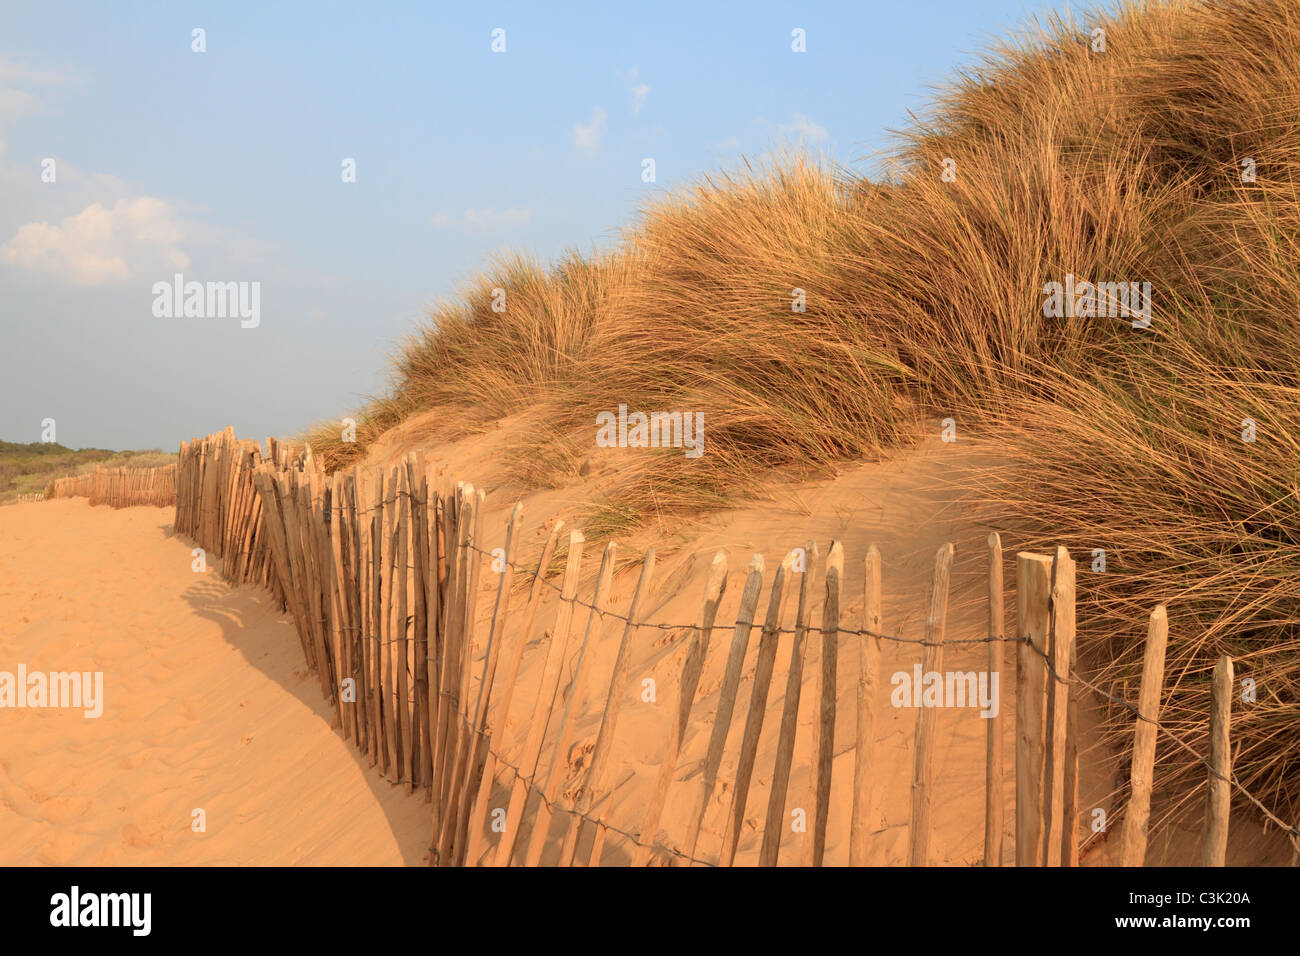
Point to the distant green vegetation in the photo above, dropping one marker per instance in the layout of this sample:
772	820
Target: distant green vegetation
27	469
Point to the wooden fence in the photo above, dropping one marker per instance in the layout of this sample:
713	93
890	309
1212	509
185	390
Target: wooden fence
380	569
77	486
120	487
24	499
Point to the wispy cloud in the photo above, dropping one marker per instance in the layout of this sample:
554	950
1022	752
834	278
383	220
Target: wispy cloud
488	218
587	138
802	128
639	90
16	103
28	74
25	88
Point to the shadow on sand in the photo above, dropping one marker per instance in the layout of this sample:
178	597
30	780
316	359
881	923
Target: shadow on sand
241	612
238	611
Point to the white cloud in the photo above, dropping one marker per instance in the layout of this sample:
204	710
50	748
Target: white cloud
487	218
802	128
24	88
588	137
490	216
639	93
102	245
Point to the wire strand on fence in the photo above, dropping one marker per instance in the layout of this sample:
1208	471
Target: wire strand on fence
1292	831
859	632
553	805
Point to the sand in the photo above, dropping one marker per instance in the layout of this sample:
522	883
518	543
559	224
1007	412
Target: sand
207	705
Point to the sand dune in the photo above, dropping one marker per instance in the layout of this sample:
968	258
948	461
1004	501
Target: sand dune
208	705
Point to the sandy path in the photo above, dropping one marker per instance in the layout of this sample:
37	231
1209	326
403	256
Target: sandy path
208	704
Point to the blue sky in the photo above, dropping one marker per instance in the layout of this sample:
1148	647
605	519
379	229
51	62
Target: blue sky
225	165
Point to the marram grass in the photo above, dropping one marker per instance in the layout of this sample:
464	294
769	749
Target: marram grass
1170	158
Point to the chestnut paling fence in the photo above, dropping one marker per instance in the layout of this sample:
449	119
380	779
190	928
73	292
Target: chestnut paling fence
120	487
26	499
75	486
381	570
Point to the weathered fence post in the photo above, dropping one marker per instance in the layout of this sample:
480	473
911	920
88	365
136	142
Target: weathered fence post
763	667
993	783
1033	590
1070	831
923	766
1062	638
1219	796
824	749
774	826
726	698
868	683
1133	849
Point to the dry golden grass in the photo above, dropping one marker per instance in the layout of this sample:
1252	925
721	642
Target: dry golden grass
924	299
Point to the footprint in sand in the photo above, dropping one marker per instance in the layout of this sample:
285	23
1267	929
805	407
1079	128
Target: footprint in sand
133	760
669	636
579	759
706	689
12	800
143	837
192	709
61	848
64	809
